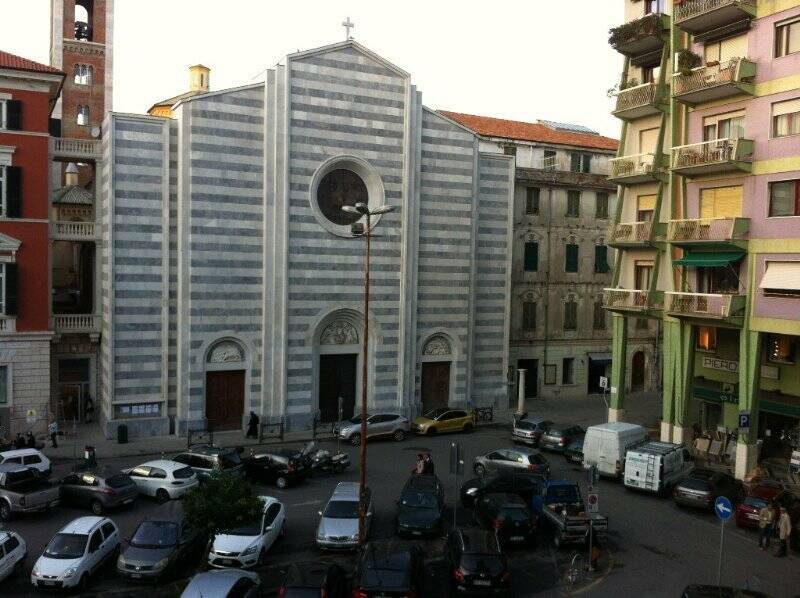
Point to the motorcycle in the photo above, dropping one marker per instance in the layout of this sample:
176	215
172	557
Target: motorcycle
323	460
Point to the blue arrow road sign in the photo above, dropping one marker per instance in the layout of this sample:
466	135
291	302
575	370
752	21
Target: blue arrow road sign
723	508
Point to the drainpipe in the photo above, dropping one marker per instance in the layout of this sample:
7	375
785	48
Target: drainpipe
547	283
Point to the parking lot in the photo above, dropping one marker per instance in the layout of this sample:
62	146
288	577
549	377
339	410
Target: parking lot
654	548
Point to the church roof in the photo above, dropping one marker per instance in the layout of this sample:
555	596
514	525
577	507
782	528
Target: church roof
488	126
73	194
169	102
18	63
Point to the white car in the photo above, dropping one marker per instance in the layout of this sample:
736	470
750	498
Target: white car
29	457
247	545
13	552
75	553
163	479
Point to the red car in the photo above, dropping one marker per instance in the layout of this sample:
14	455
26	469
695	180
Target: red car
746	514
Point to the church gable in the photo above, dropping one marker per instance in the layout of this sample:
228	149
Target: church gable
351	56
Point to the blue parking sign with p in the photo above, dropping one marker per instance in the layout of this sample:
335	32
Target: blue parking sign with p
744	419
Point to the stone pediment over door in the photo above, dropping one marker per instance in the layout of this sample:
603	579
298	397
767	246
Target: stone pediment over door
8	248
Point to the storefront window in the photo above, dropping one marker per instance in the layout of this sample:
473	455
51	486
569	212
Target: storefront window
780	348
707	338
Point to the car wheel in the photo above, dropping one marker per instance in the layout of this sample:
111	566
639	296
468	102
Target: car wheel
355	439
399	435
467	428
162	496
479	470
97	507
5	511
431	431
281	482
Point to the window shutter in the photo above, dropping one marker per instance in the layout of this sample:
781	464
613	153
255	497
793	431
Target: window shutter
531	256
14	115
575	162
571	262
600	258
11	289
13	192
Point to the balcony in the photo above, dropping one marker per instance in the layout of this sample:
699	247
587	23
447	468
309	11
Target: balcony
715	82
8	324
74	231
636	102
706	306
632	301
630	234
76	324
708	232
62	148
702	16
712	157
630	170
641	36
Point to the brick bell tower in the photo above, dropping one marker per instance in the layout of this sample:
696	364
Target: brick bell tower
81	46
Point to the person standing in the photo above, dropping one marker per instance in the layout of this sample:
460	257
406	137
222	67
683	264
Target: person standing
252	426
30	441
766	519
428	465
784	531
52	430
420	467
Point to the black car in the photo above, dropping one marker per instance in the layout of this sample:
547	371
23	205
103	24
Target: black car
419	510
477	563
573	453
389	568
508	515
701	591
160	549
558	436
99	489
526	485
702	487
309	580
282	467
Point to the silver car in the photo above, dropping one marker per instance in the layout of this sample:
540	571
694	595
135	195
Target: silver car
512	459
224	583
338	523
378	425
529	430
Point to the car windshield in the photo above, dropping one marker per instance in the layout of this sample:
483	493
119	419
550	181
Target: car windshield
355	420
251	528
754	501
523	425
342	509
183	473
66	546
155	534
434	413
419	500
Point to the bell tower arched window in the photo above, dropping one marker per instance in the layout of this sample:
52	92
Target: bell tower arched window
83	19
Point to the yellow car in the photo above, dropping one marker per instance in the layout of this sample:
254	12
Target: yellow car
443	419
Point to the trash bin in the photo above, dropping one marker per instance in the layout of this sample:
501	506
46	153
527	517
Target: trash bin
122	434
89	459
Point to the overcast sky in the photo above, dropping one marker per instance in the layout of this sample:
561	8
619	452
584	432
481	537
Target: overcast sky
524	59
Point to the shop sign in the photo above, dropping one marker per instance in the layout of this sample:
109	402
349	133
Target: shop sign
715	396
732	367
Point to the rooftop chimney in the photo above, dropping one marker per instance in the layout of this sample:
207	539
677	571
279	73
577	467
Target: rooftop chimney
199	76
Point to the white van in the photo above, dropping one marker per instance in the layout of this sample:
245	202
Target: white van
656	466
605	446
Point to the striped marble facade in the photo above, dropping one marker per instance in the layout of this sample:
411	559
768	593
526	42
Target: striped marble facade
211	235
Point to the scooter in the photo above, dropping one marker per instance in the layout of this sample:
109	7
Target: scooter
322	460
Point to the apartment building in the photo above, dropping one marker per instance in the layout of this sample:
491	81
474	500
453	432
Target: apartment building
708	219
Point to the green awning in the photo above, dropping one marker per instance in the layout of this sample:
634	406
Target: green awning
708	258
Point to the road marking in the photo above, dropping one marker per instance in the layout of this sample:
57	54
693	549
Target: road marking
307	503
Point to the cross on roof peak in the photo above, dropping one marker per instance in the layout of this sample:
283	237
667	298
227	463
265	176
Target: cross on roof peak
348	25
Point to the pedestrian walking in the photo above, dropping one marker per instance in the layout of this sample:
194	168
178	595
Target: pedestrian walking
52	430
784	531
427	468
30	440
88	410
420	467
766	519
252	426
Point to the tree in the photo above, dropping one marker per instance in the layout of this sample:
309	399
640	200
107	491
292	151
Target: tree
221	503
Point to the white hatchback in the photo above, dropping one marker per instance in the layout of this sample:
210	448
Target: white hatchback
163	479
247	545
75	553
13	552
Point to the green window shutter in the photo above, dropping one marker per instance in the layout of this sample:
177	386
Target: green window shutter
13	192
531	256
14	115
11	289
601	259
575	162
571	261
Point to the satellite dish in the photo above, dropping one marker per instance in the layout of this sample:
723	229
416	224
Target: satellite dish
96	132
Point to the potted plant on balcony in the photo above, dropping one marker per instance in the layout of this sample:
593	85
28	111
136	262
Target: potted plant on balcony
687	60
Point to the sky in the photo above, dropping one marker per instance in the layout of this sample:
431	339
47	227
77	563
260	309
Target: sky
517	59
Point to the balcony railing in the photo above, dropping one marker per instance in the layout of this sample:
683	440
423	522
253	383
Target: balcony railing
701	16
8	324
74	231
640	36
719	155
630	233
636	168
63	147
636	102
707	230
76	323
705	305
629	300
714	82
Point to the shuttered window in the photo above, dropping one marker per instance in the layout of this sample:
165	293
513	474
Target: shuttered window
570	315
573	203
571	258
601	259
11	115
528	316
599	320
532	200
722	51
645	208
786	118
601	205
784	198
721	202
648	140
11	191
781	278
531	256
9	286
787	38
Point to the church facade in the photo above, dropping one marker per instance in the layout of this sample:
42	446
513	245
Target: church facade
231	280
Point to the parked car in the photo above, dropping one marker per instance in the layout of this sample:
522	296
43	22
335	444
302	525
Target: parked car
508	515
246	546
75	553
160	549
389	568
338	522
99	489
512	459
205	460
23	490
656	466
306	580
477	563
573	453
557	436
522	483
702	487
163	479
702	591
13	552
29	457
529	430
560	507
224	583
379	425
443	419
420	507
605	445
282	467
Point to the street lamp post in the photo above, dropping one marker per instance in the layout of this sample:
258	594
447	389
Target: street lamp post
364	230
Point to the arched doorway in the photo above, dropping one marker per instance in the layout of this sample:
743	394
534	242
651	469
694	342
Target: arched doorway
339	357
225	385
437	356
638	372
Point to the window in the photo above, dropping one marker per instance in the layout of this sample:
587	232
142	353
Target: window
781	279
11	545
549	163
108	529
599	320
510	150
83	74
786	118
601	259
568	370
532	200
723	126
11	115
571	258
8	289
3	104
528	316
725	50
655	7
580	162
784	198
94	543
531	256
642	272
707	338
573	203
570	315
158	473
83	115
549	373
787	38
780	349
601	205
645	208
642	323
721	202
140	410
4	389
10	191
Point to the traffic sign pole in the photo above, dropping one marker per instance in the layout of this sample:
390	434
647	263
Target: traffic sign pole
723	508
721	545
